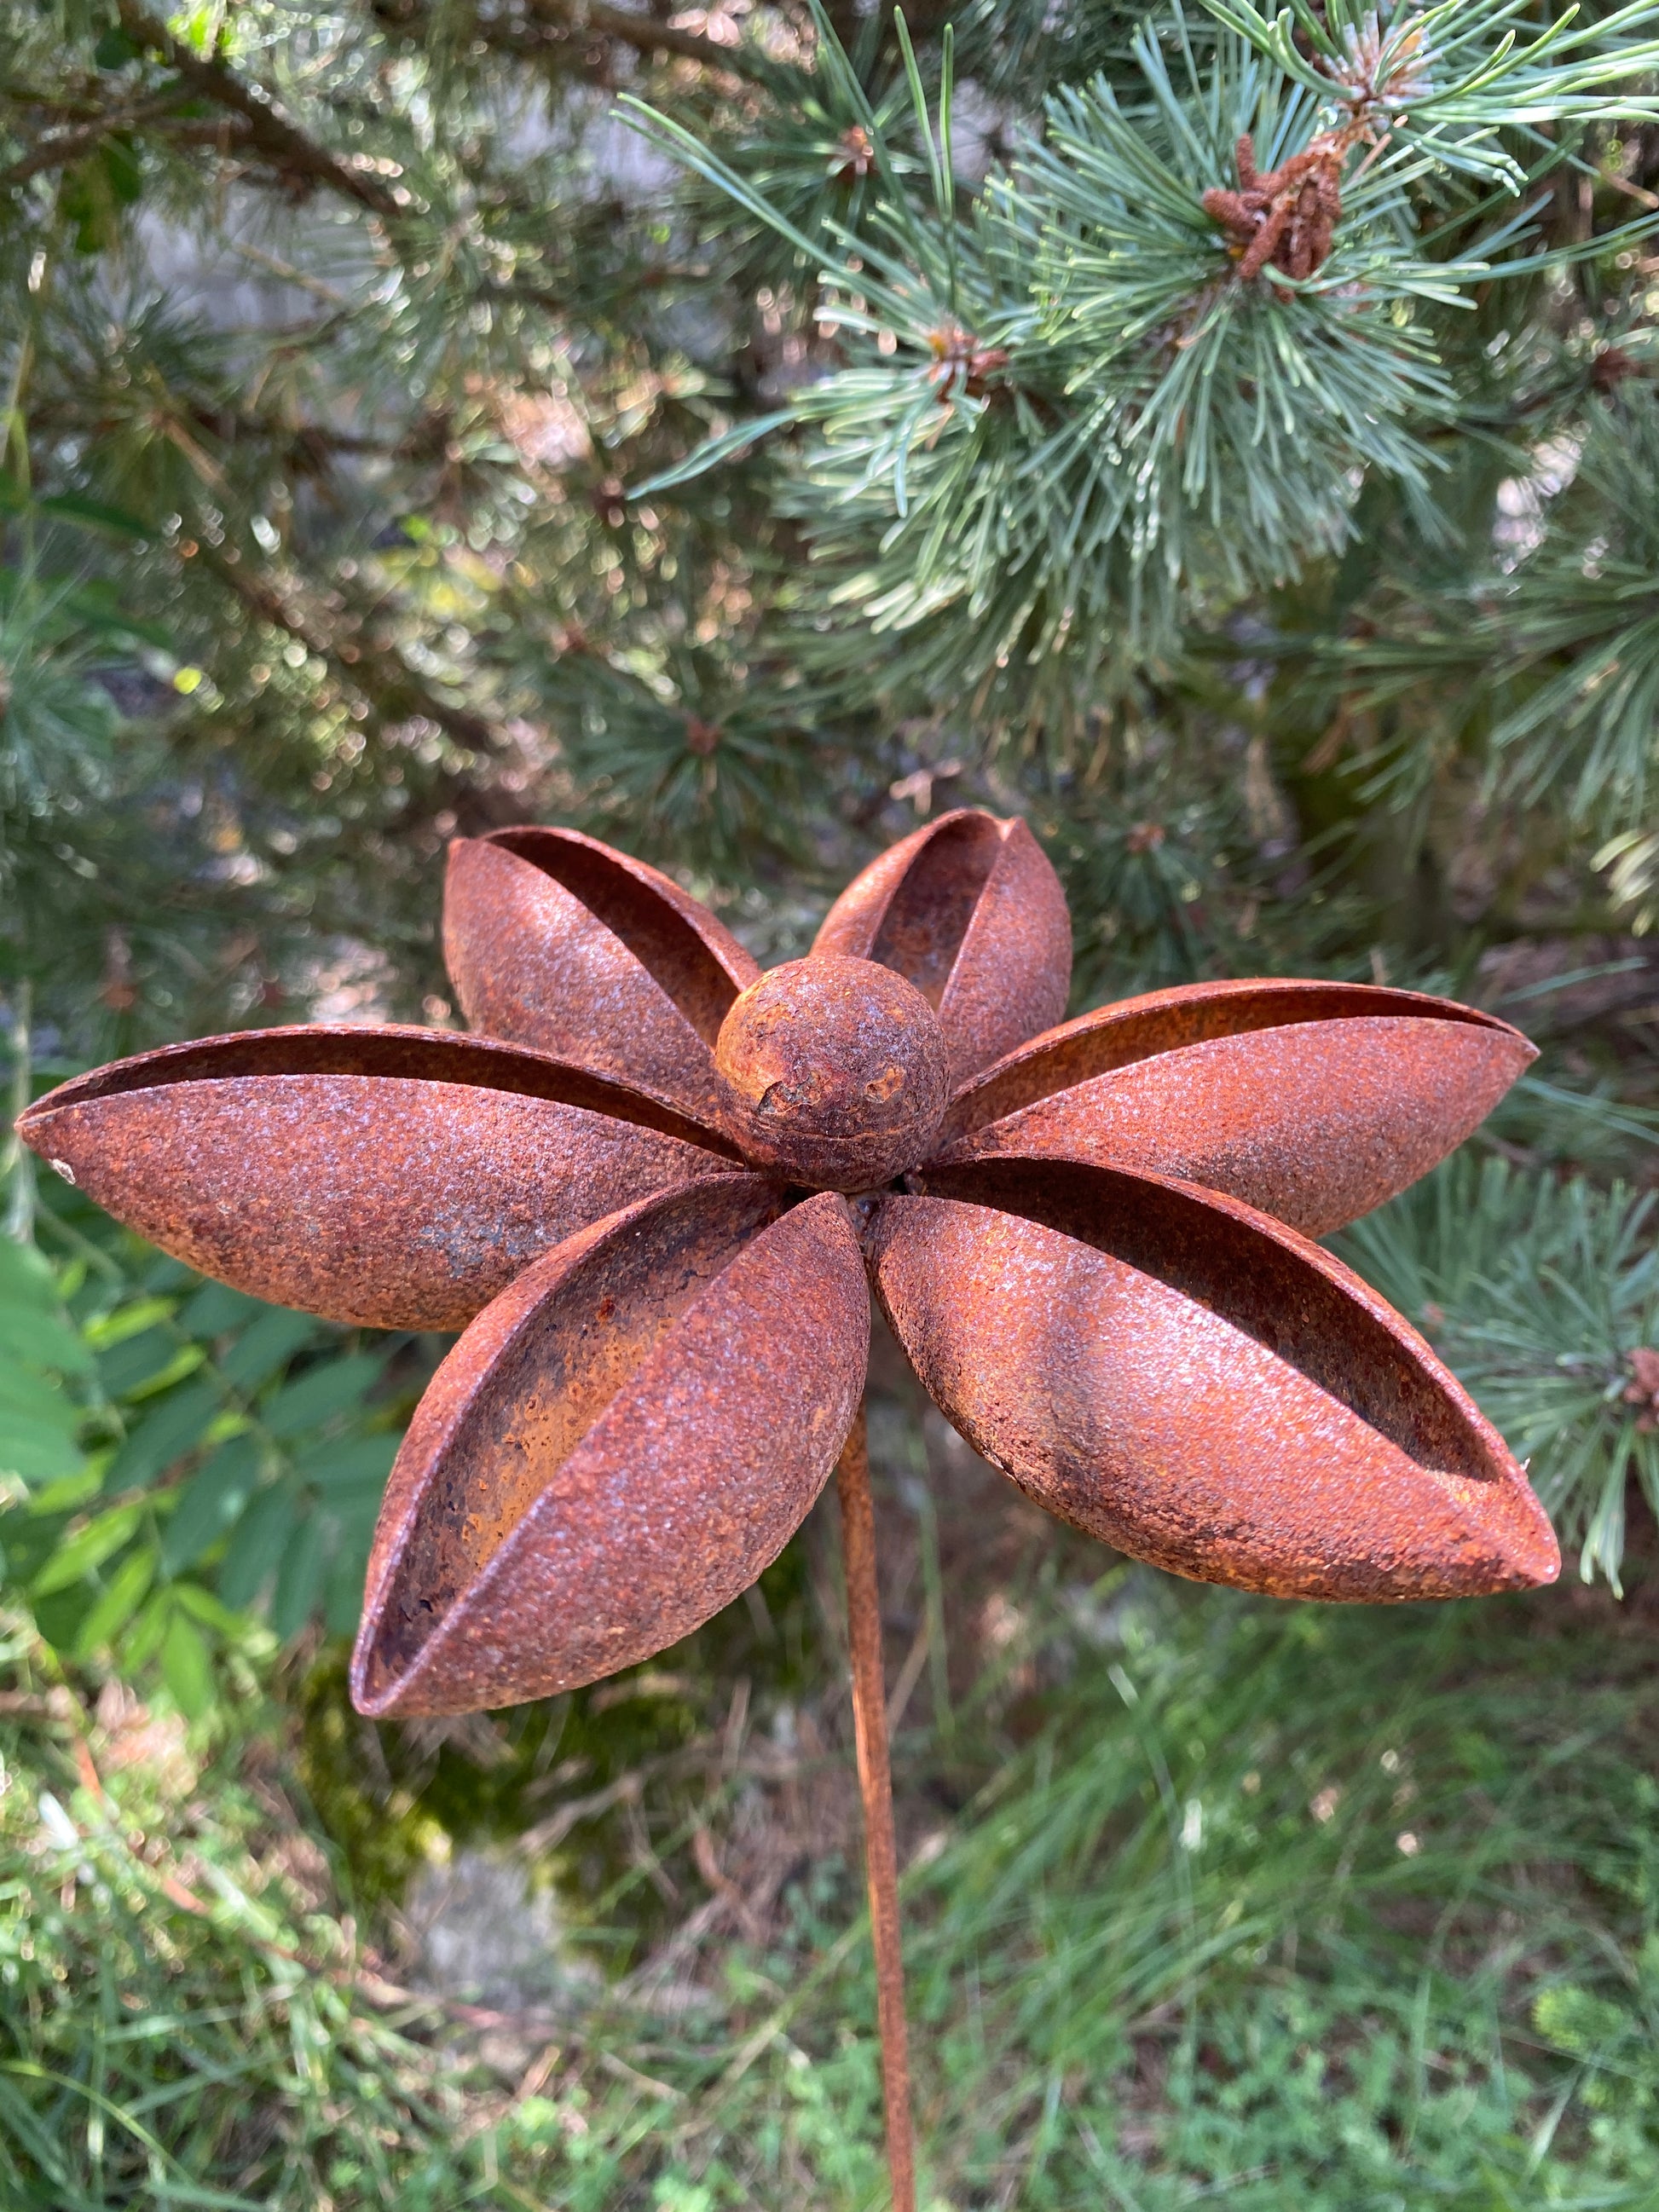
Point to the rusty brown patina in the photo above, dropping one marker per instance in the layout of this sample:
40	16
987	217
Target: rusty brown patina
656	1192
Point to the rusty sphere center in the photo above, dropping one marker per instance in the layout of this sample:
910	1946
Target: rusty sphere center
836	1070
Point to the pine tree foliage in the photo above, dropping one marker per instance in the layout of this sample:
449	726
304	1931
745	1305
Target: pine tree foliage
1111	390
1227	434
1544	1296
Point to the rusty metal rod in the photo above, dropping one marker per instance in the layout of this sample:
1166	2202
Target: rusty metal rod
858	1545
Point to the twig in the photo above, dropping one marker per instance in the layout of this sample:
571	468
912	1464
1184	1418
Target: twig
380	674
56	149
647	35
285	146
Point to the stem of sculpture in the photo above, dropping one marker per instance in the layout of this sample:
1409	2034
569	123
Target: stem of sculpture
858	1540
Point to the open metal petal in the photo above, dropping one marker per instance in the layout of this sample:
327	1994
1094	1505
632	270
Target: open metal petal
554	940
615	1449
968	910
397	1177
1313	1101
1198	1385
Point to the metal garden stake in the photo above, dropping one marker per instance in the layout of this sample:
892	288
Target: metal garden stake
651	1189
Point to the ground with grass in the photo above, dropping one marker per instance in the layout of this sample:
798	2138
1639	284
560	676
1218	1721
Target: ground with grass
1210	1900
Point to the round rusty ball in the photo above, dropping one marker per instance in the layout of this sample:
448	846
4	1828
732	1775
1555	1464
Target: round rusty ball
838	1071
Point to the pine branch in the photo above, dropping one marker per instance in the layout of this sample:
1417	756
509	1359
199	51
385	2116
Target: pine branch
378	673
288	149
56	148
647	35
1544	1297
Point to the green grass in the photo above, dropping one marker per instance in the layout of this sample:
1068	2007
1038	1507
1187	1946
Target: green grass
1246	1905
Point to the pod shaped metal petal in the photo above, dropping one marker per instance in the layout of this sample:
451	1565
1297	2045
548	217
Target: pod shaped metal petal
554	940
1189	1380
969	911
615	1449
397	1177
1313	1101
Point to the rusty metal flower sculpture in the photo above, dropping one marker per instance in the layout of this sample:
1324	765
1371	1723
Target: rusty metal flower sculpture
651	1189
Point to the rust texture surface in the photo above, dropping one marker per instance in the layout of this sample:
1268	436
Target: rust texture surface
968	910
554	940
1195	1383
616	1448
1092	1238
858	1551
837	1069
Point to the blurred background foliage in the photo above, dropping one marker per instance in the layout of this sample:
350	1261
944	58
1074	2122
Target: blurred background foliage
743	432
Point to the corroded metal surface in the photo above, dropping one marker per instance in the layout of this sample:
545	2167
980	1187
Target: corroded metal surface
837	1072
675	1318
858	1552
1316	1121
397	1178
968	910
554	940
1199	1386
616	1448
1070	1265
1117	1036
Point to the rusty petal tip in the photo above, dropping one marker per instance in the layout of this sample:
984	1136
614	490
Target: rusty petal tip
1189	1380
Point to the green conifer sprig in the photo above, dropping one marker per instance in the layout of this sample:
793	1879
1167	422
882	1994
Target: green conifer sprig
1543	1295
1577	629
1084	399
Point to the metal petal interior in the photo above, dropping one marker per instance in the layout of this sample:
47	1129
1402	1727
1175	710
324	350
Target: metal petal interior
920	933
1315	1122
1200	1387
387	1050
1113	1037
911	907
533	961
969	911
390	1201
1014	968
692	956
1302	1304
615	1449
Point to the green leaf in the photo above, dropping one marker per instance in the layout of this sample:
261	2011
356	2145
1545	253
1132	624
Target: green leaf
212	1503
322	1392
216	1308
342	1597
351	1463
186	1668
137	1360
43	1340
261	1350
127	1321
112	1611
261	1535
299	1577
26	1276
35	1451
67	1493
144	1638
202	1605
164	1435
87	1549
24	1393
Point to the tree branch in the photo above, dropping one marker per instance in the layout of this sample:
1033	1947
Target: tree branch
378	674
647	35
56	148
269	132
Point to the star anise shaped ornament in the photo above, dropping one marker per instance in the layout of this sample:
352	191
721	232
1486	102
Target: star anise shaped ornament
651	1194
